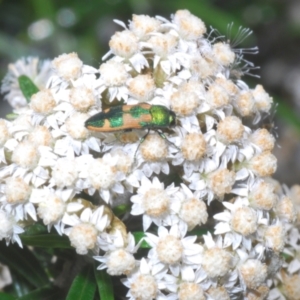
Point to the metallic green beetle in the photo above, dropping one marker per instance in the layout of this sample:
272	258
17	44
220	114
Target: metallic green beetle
128	117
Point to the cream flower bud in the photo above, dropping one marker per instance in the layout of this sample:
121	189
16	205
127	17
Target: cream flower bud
101	174
4	133
113	73
193	212
190	290
163	44
154	148
262	195
264	164
263	101
202	67
285	209
83	237
169	249
186	100
218	292
190	27
65	172
274	236
123	161
221	182
223	54
41	136
142	87
263	139
68	66
142	25
156	202
144	287
17	190
216	262
43	102
228	85
82	98
128	137
51	209
124	44
230	129
188	149
26	155
290	286
253	273
260	293
217	96
244	103
244	221
75	126
120	262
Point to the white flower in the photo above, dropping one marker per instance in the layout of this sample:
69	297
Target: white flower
172	250
101	174
52	205
85	228
153	201
15	199
145	283
119	257
238	223
190	208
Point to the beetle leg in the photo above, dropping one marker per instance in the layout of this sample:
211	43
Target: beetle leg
141	141
161	134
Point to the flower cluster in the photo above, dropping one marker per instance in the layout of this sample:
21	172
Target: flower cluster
217	155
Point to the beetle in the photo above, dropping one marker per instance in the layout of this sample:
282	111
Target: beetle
128	117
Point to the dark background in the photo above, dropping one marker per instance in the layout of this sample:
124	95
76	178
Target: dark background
48	28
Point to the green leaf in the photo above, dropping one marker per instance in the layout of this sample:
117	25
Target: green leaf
11	116
20	286
138	235
48	292
104	283
46	240
4	296
27	87
23	262
83	286
34	229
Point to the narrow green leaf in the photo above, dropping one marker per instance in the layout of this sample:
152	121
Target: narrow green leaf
27	87
138	235
4	296
104	283
46	240
34	229
20	286
83	286
11	116
48	292
23	262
